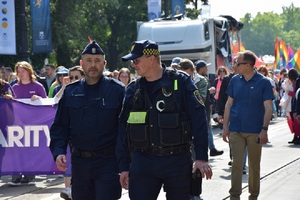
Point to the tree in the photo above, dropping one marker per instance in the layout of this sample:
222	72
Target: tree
121	18
259	33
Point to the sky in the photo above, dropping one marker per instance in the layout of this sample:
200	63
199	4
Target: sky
238	8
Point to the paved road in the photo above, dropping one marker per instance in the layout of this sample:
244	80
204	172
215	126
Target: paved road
280	173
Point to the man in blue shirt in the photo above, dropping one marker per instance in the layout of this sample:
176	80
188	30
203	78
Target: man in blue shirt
248	112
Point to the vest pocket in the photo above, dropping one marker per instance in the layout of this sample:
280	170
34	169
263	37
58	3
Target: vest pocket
170	133
138	134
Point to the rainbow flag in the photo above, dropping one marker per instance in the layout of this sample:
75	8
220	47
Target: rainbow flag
235	48
242	48
276	55
239	47
295	62
284	54
291	55
232	47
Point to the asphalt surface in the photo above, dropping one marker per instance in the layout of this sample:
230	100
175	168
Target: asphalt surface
280	173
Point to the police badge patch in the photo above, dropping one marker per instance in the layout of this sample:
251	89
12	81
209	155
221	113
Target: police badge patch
198	97
132	47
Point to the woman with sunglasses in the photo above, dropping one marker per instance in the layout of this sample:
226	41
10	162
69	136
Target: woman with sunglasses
62	80
75	73
58	80
221	73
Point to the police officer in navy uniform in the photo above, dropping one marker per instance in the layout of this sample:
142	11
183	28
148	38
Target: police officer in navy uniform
87	116
163	113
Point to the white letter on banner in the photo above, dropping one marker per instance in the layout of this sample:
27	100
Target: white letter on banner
47	134
36	136
3	142
14	139
27	136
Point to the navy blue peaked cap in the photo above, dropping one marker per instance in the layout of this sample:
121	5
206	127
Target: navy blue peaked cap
140	48
93	48
201	63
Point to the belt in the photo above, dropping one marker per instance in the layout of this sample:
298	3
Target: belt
165	151
93	154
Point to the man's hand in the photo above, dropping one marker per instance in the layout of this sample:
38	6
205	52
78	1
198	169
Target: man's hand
225	134
66	81
220	119
263	137
7	96
124	180
61	162
212	90
204	168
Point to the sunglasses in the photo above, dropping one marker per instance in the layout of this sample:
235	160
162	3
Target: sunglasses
64	75
74	77
136	61
236	63
222	71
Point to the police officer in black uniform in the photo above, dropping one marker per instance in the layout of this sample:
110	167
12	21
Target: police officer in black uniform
162	115
87	116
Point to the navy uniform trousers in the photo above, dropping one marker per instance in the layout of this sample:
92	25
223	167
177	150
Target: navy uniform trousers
95	178
149	172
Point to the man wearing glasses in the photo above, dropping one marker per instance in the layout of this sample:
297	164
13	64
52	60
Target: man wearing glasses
162	114
248	112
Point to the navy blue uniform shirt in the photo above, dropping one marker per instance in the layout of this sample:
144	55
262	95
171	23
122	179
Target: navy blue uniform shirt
87	115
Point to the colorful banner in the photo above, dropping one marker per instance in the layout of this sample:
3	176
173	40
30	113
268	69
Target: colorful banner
276	54
154	9
238	47
295	61
284	54
25	138
291	55
177	7
41	27
7	28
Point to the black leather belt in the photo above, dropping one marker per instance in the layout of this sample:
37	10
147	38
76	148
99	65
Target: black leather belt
165	151
93	154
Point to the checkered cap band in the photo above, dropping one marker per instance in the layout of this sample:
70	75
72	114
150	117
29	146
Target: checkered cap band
151	52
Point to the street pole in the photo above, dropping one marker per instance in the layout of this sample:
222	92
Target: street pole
166	8
23	53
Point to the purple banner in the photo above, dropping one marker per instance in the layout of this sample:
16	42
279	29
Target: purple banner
25	138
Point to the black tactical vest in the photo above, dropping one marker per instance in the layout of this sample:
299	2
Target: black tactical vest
165	124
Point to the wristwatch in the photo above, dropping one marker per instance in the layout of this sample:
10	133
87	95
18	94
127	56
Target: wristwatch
264	128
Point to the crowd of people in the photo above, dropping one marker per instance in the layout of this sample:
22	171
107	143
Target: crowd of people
153	129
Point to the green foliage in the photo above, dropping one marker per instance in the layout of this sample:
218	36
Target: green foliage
259	33
192	13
